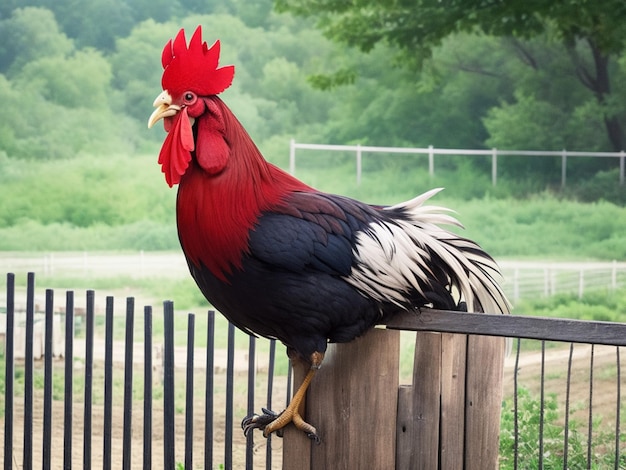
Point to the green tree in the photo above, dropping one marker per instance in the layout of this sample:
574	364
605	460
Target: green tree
591	33
81	80
95	23
137	67
28	34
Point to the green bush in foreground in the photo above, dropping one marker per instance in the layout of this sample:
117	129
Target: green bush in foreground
529	416
597	305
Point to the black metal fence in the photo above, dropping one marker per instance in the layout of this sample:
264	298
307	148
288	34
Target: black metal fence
581	436
40	443
561	405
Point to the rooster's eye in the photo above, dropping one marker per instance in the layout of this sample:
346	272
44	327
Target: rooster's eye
189	97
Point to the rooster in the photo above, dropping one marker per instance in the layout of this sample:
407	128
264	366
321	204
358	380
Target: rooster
283	260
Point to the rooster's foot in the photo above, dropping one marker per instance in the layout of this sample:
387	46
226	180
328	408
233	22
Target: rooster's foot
270	422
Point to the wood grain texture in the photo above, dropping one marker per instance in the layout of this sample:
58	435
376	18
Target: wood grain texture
296	446
450	417
405	437
483	401
453	376
352	402
418	439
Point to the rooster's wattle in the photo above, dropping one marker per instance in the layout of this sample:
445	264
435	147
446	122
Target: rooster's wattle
282	260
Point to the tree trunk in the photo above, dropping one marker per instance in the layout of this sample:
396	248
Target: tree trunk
600	84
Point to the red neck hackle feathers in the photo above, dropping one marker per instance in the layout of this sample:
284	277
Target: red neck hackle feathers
215	212
194	67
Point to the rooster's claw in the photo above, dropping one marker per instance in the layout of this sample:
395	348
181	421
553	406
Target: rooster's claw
270	422
256	421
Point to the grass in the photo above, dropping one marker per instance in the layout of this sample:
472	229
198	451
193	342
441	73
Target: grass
107	207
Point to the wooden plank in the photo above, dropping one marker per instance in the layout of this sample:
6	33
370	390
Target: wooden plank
418	443
352	401
453	364
555	329
296	446
404	429
483	401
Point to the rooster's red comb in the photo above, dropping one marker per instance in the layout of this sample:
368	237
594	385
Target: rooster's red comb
194	67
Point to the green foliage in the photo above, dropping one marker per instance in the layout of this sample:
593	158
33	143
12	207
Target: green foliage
521	125
30	34
599	305
599	187
588	36
84	192
529	416
418	27
80	80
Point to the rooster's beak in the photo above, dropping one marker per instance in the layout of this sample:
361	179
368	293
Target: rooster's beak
164	108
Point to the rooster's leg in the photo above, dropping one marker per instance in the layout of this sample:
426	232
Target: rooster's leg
270	422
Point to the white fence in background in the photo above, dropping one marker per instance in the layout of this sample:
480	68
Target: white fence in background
522	279
97	265
529	279
431	152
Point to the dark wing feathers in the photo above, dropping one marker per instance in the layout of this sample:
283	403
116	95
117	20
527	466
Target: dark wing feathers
312	232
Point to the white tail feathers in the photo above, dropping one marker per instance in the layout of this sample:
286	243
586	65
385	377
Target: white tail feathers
407	249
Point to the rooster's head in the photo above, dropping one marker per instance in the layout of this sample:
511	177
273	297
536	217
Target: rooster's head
190	74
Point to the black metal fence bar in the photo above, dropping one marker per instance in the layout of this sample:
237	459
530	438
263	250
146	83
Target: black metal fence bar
108	384
28	373
250	409
230	390
618	410
590	420
567	406
209	390
88	393
169	429
69	381
270	392
128	385
516	407
9	372
191	325
542	399
147	389
47	381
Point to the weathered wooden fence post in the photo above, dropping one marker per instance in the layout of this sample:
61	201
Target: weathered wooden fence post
353	403
449	418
